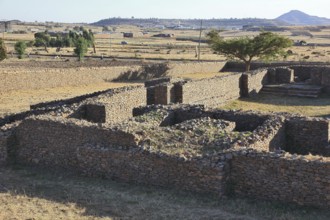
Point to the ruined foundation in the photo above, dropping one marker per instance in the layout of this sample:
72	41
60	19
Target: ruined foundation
187	145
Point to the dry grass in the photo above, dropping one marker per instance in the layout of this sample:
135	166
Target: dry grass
199	75
30	193
18	101
146	46
269	103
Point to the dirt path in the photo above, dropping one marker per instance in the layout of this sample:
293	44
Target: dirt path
18	101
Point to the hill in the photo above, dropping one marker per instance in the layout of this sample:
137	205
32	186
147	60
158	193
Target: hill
296	17
190	23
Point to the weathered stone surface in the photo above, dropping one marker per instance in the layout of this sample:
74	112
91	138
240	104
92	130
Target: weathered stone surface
308	135
286	178
3	149
182	146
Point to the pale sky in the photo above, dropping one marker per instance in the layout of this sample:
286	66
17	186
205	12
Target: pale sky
93	10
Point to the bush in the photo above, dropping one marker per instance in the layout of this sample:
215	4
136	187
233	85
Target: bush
20	48
81	48
146	72
3	50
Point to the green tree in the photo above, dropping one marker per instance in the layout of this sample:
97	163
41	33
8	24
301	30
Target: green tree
265	46
81	46
20	48
3	50
42	39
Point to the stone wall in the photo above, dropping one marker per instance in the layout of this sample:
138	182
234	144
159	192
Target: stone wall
308	135
54	141
195	67
212	92
219	90
256	80
117	106
268	131
50	78
240	67
37	78
102	151
152	169
3	148
317	73
293	179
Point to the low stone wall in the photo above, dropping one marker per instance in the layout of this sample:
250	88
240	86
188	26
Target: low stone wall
37	78
212	92
308	135
280	75
293	179
54	141
317	73
268	131
3	149
195	67
111	153
152	169
119	106
256	80
50	78
240	67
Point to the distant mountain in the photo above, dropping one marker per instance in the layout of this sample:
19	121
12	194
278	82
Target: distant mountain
296	17
191	23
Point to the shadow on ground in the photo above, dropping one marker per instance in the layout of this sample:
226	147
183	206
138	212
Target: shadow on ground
103	199
323	100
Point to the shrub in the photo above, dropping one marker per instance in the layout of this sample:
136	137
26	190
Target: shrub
81	48
3	50
20	48
147	71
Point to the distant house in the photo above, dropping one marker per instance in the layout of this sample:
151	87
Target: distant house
128	35
163	35
5	26
34	30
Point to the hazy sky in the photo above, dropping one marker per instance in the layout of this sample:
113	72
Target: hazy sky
94	10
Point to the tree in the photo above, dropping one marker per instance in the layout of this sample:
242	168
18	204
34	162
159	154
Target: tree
81	46
265	46
3	50
20	48
42	39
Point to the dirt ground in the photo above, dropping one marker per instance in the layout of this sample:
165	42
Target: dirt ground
28	82
18	101
319	107
38	194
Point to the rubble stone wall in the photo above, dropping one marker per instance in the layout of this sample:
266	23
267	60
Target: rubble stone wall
212	92
3	149
308	135
101	151
196	67
50	78
284	75
152	169
292	179
54	141
256	80
119	106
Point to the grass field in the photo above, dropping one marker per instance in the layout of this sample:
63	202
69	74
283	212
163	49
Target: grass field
30	193
270	103
18	101
144	46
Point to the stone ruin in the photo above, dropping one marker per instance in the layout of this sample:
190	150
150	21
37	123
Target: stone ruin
138	135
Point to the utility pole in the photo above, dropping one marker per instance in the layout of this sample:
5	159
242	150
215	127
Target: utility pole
200	39
110	45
